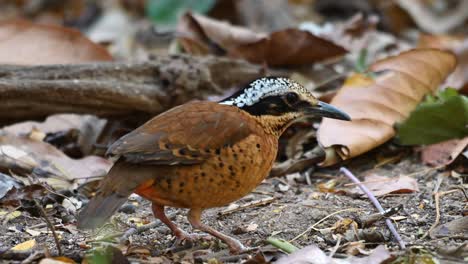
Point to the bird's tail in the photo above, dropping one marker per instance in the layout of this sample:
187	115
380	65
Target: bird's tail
113	192
99	210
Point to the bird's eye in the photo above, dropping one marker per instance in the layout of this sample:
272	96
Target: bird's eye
292	98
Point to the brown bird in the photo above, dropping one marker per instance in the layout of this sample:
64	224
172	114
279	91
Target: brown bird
204	154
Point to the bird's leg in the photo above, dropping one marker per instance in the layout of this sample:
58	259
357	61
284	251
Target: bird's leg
194	217
181	235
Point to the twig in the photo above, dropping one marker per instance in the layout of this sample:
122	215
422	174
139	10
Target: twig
35	255
282	244
255	203
335	248
370	219
437	196
50	225
321	220
376	203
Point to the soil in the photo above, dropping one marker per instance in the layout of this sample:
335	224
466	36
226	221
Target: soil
296	207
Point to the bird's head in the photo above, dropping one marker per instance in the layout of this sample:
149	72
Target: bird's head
281	97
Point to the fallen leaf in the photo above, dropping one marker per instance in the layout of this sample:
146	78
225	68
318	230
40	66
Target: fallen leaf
48	163
29	192
56	260
455	227
33	232
376	106
354	248
88	128
443	153
251	227
435	120
342	225
27	43
9	215
200	35
382	185
379	255
459	46
310	254
288	47
27	245
7	183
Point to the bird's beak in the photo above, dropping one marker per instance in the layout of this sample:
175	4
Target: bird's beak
326	110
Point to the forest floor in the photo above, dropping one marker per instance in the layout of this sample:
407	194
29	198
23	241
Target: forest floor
291	209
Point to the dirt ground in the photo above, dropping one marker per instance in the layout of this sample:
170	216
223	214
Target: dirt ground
295	206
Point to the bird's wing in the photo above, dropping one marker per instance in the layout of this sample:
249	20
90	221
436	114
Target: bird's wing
187	134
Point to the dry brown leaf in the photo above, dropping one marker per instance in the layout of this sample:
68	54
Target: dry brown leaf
60	171
443	153
26	43
375	105
381	185
457	227
88	127
56	260
458	45
27	245
201	35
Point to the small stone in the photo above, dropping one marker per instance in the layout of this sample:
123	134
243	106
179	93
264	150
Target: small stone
128	209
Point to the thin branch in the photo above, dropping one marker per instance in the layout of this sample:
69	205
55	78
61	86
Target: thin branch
376	203
50	225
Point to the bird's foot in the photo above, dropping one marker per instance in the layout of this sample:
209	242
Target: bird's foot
183	236
235	246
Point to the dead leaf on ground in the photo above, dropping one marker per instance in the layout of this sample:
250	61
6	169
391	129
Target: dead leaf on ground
382	185
7	183
310	254
314	255
89	128
443	153
375	105
56	260
457	227
459	46
51	45
30	192
201	35
27	245
48	163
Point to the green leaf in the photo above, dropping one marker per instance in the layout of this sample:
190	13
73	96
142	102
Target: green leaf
282	244
361	65
435	120
167	12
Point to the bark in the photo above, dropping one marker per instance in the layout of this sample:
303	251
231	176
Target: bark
117	88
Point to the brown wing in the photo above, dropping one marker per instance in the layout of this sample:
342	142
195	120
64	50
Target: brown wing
187	134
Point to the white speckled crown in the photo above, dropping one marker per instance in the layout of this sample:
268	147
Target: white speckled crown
265	87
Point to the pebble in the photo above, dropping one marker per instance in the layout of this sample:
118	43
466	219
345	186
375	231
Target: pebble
128	209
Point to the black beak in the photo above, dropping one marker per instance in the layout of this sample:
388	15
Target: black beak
326	110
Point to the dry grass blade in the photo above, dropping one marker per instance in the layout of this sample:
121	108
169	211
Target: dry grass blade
375	105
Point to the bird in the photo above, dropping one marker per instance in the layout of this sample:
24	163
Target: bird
203	154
